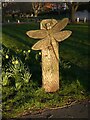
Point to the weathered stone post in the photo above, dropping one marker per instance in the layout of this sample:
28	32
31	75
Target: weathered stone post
50	62
50	34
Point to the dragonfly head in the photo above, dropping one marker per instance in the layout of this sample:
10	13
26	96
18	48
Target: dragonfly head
48	23
48	26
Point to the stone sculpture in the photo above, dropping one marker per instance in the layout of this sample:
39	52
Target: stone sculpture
50	34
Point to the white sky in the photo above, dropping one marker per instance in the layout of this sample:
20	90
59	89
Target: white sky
44	0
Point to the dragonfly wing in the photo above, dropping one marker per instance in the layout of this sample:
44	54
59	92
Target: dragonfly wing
37	34
41	44
60	25
60	36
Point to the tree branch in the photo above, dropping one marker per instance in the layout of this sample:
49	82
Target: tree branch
76	7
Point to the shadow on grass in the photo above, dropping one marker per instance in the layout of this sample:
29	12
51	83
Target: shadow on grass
76	73
18	38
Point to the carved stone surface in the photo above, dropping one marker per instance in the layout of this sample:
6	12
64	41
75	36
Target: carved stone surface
50	34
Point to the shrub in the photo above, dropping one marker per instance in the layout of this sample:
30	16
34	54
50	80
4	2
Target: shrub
16	79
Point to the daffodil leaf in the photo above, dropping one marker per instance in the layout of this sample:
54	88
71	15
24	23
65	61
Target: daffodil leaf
42	44
5	81
60	36
60	25
37	34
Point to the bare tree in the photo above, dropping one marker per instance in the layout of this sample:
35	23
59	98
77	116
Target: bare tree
36	6
74	7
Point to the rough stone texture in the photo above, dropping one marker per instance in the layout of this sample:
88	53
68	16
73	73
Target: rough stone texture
50	34
50	69
50	64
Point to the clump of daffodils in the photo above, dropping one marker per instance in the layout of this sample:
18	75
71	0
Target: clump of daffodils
15	62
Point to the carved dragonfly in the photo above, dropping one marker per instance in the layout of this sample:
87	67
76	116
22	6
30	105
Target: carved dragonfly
51	32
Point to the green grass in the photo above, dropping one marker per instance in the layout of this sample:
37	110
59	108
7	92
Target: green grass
74	80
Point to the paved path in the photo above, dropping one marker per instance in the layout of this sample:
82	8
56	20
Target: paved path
77	110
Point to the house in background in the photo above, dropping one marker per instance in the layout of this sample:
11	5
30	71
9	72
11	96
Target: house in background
82	15
83	11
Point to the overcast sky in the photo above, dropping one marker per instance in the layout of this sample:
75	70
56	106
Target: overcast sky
44	0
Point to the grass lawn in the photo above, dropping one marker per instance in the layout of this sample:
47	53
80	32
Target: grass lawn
74	70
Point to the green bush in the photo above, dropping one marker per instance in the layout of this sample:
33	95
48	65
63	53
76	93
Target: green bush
16	79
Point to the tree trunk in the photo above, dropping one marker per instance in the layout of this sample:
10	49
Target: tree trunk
50	67
36	7
36	13
74	8
73	14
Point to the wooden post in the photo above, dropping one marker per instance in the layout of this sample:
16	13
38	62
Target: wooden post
50	67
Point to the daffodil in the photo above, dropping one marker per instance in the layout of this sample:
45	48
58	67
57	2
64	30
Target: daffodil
7	56
39	53
13	62
29	51
24	51
16	62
